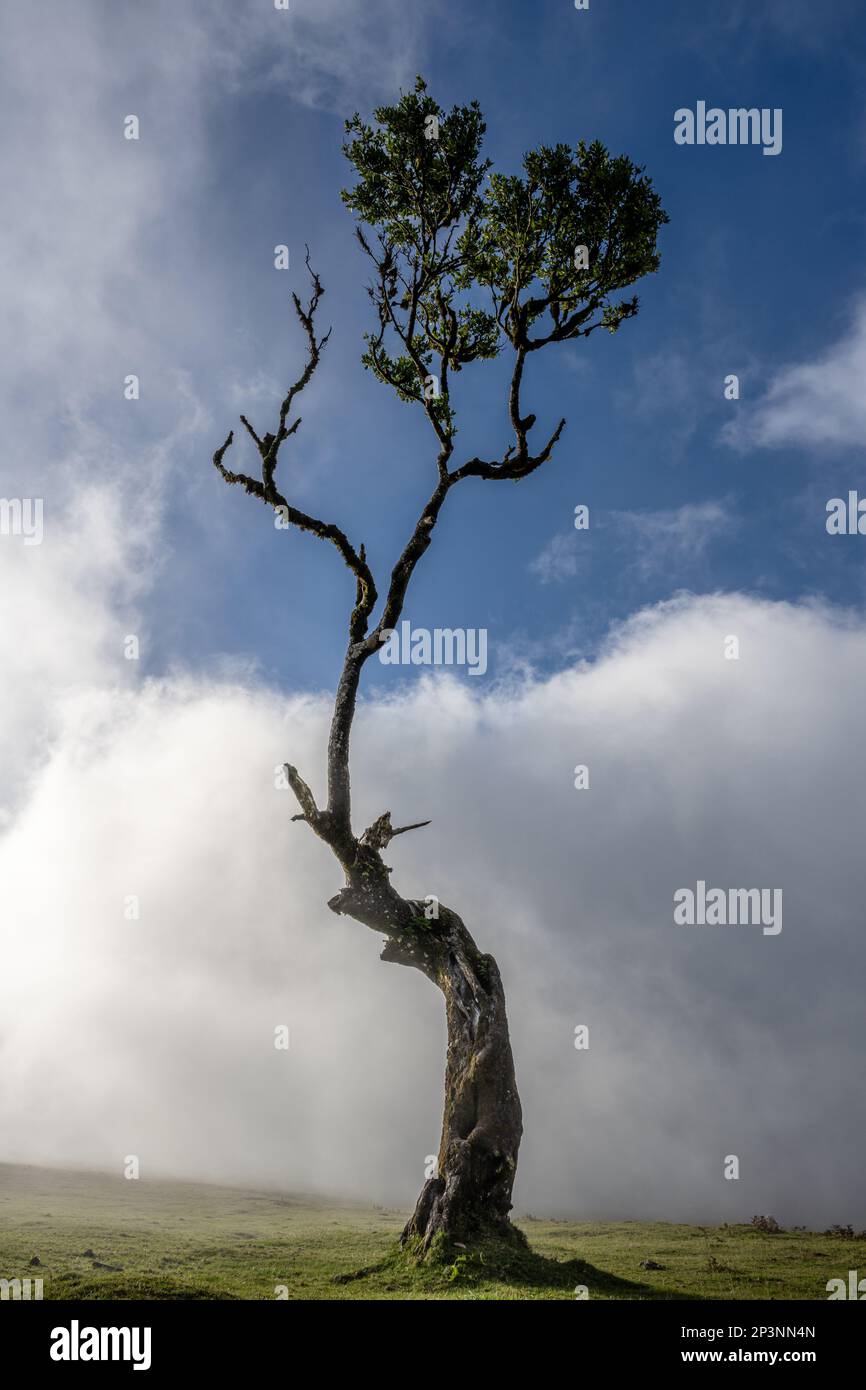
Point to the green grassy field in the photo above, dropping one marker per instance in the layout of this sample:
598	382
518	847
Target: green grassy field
99	1237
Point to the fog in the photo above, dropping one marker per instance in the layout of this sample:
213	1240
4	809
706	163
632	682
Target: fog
155	1036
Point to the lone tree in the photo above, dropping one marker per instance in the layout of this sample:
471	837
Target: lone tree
466	264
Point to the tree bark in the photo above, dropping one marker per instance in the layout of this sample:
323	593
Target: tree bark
470	1196
482	1124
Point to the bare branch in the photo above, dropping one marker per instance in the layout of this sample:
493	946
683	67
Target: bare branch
405	566
517	462
380	834
251	485
303	795
307	317
511	468
268	446
249	429
418	825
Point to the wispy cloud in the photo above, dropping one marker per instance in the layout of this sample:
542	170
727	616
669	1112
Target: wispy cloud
820	402
796	24
675	390
560	559
324	53
656	541
672	539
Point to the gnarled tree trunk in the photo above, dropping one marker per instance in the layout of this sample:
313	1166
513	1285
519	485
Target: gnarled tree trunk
481	1125
481	1129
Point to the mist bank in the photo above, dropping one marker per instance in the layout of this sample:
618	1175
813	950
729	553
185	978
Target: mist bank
164	919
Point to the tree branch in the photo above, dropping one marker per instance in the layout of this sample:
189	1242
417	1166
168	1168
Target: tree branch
269	445
380	834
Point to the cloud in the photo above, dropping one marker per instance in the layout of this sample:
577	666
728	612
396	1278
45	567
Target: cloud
747	29
659	541
325	52
818	403
676	392
106	266
155	1036
558	560
672	539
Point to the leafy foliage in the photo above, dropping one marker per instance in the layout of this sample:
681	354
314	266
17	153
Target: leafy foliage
527	245
467	259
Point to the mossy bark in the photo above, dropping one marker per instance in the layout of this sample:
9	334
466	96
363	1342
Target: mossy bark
482	1125
470	1196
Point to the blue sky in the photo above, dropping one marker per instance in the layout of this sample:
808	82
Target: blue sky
761	268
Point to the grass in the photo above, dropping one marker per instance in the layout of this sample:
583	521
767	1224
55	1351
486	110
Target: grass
173	1240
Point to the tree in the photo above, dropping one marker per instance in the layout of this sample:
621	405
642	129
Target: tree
466	264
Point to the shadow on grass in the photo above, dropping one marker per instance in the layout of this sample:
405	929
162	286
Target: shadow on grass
514	1265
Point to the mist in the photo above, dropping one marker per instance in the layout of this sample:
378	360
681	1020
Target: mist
155	1036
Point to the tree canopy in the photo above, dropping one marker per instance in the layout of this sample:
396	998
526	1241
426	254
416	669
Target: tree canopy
468	260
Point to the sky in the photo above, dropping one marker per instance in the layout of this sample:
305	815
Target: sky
154	777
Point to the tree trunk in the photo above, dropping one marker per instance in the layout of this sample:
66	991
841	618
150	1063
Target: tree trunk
482	1125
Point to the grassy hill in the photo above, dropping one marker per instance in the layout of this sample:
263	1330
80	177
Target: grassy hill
101	1237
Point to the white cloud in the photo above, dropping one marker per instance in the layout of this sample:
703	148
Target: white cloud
106	269
155	1037
816	403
